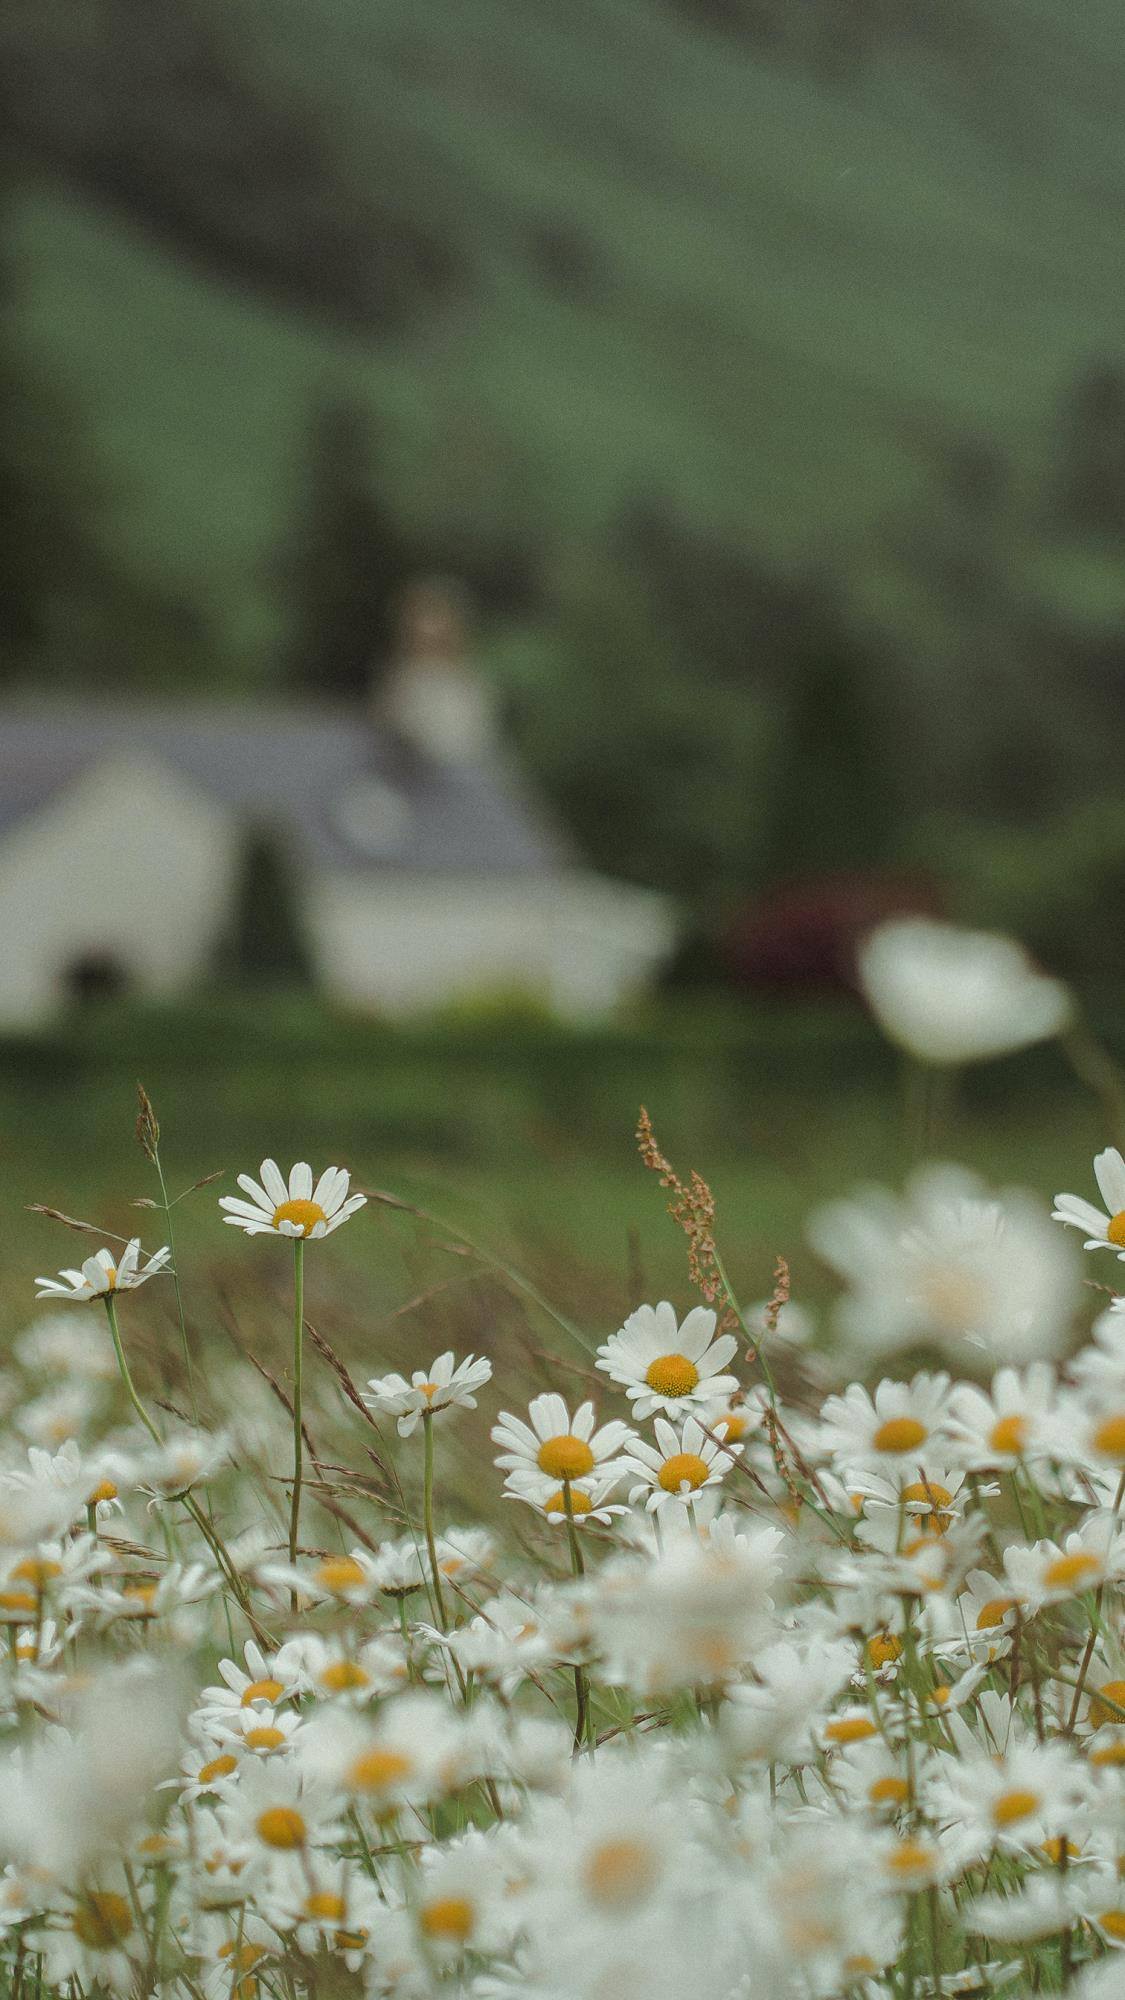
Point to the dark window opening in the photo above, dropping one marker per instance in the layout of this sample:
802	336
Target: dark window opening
95	976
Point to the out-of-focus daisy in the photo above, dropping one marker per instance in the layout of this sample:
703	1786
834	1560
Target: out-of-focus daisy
948	1264
296	1208
666	1367
446	1385
1101	1230
679	1465
1051	1572
555	1445
106	1271
948	995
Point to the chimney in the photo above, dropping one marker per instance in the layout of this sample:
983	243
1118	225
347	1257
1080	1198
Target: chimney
432	698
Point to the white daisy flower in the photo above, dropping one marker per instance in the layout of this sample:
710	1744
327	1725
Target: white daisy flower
679	1465
1101	1230
1010	1423
666	1367
298	1209
435	1391
589	1498
555	1445
863	1432
948	995
105	1272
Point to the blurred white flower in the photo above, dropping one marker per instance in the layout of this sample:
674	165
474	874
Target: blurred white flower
949	1265
948	995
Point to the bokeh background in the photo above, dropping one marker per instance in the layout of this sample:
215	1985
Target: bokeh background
756	368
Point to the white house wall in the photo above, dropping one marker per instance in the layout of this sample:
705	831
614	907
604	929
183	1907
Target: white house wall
127	864
401	942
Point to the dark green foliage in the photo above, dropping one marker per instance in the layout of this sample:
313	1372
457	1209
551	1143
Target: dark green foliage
346	560
265	943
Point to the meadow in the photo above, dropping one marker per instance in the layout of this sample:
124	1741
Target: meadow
401	1601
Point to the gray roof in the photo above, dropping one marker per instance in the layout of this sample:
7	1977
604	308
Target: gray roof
344	792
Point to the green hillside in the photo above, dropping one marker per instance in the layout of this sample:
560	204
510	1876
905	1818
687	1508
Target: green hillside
776	289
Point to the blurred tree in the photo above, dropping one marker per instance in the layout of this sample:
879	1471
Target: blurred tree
265	943
346	559
832	802
50	562
1092	452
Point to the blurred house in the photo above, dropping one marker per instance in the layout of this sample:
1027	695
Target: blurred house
421	867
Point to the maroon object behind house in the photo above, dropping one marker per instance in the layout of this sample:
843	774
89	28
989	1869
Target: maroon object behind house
804	933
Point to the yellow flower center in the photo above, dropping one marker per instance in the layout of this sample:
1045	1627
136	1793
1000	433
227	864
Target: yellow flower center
102	1920
340	1675
219	1767
376	1770
849	1729
1013	1806
900	1434
684	1467
449	1917
306	1214
926	1493
339	1574
111	1278
882	1648
621	1872
565	1457
940	1694
322	1903
105	1490
141	1595
1009	1435
1115	1229
994	1612
1109	1438
261	1691
281	1826
889	1792
672	1375
1113	1921
243	1957
1067	1572
266	1737
350	1940
18	1601
910	1857
1108	1754
1059	1849
737	1423
37	1569
580	1503
1100	1714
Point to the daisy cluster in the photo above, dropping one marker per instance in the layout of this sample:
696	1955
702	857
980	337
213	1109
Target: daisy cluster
742	1680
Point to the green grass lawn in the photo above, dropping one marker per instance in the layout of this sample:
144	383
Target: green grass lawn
518	1134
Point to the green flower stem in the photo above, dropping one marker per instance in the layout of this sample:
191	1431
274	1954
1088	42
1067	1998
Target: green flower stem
109	1302
428	1517
198	1516
583	1718
298	1342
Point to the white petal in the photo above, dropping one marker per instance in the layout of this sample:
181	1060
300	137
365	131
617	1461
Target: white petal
273	1183
1109	1172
